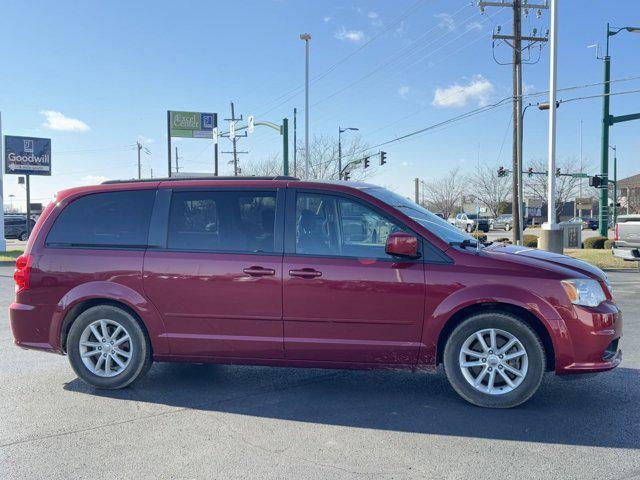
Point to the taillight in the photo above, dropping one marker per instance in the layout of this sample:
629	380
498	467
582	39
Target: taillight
615	233
22	273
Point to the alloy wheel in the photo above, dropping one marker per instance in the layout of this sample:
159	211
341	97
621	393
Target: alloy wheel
493	361
105	348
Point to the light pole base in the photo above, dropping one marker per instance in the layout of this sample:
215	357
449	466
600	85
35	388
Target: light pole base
551	238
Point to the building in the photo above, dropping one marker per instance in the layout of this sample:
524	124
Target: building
629	194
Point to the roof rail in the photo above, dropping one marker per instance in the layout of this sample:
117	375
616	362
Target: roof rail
179	179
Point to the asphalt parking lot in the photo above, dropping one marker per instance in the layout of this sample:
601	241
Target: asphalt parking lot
206	422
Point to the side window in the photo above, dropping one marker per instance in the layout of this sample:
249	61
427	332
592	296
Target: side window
222	221
328	225
105	219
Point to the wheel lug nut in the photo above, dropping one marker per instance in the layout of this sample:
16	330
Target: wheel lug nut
99	348
104	355
501	356
500	367
112	342
490	369
484	359
491	352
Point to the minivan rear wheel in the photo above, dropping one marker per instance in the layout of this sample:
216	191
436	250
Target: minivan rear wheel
108	348
494	360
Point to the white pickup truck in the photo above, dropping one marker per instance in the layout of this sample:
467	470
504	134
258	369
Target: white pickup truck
626	244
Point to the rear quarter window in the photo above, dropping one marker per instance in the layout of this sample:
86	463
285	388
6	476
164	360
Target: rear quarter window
110	219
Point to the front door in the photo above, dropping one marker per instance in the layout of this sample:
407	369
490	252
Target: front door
345	299
218	280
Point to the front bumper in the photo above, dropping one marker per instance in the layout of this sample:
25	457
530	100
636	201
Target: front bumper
595	335
626	253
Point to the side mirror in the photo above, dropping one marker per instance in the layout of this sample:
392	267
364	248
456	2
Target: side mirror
401	244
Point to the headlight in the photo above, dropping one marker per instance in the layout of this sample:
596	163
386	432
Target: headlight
586	292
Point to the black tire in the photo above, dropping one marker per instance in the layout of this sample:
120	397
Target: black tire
23	237
139	363
511	324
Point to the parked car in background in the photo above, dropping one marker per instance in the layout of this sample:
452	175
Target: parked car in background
15	226
470	222
626	240
588	223
283	272
503	222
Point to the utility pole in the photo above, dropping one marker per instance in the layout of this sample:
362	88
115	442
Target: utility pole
139	163
233	136
515	42
417	192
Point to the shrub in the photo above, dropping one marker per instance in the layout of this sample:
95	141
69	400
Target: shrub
530	241
503	240
608	244
482	237
594	242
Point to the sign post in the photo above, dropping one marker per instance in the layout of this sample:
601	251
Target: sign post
27	156
192	125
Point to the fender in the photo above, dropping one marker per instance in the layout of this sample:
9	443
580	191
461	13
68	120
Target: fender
441	311
117	292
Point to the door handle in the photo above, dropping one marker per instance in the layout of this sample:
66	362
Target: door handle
305	273
257	271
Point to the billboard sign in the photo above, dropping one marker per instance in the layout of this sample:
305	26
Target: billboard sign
27	155
191	124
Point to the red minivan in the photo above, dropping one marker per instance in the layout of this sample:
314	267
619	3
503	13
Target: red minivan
283	272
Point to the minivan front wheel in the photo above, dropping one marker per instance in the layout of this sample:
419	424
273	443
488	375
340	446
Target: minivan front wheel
107	347
494	360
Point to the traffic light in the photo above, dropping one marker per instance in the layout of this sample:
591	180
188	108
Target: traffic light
558	172
530	172
502	172
383	158
596	181
366	162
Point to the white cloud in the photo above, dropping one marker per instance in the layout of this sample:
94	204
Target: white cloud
446	21
475	26
374	17
58	121
92	179
403	91
401	28
146	140
326	18
528	88
478	89
356	36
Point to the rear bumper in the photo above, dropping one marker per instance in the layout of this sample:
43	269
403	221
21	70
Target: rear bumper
595	335
627	253
31	327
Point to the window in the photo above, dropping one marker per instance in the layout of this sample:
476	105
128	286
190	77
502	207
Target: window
327	225
105	219
223	221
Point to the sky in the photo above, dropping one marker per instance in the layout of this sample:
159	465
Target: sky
96	77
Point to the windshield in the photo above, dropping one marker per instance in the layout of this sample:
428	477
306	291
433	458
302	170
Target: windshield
436	225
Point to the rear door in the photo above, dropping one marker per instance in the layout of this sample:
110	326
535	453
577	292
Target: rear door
216	275
345	299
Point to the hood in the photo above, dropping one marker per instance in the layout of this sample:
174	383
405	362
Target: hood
552	259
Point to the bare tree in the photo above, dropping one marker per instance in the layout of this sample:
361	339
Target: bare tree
270	166
567	188
443	195
323	153
489	189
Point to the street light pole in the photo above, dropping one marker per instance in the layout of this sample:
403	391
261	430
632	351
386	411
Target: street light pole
306	37
615	183
551	237
340	132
